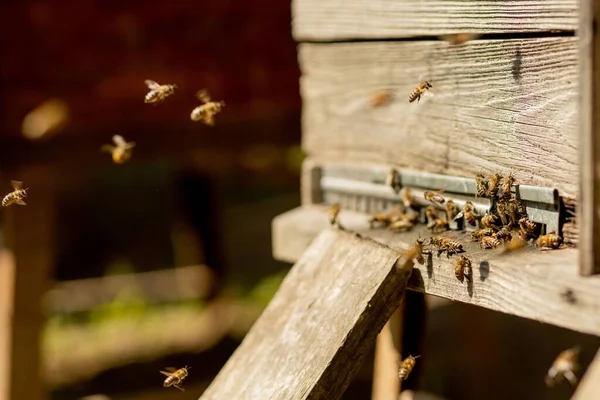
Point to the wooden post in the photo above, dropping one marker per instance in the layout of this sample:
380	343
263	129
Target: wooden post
388	354
315	333
25	269
588	216
589	387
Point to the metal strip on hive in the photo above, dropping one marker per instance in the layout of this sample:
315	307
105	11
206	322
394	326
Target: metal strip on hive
364	189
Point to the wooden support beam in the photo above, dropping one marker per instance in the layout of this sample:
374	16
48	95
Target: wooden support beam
589	387
315	333
541	285
388	355
26	265
589	136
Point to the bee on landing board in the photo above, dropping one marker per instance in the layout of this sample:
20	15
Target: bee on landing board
451	210
333	213
158	93
527	227
479	233
406	367
434	197
121	151
481	188
470	213
489	242
462	269
502	212
565	366
207	111
447	245
16	196
419	91
407	198
493	186
175	377
507	185
550	241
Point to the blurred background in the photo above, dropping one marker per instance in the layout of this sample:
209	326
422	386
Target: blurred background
166	260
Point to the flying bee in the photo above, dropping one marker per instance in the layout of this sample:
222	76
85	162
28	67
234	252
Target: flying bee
419	91
434	197
207	111
401	224
517	243
565	365
489	242
489	220
481	187
479	233
447	245
406	367
392	180
504	234
493	185
175	377
514	211
527	227
158	93
501	208
551	241
438	225
459	38
406	261
333	213
431	213
407	198
506	185
462	269
16	196
121	151
451	210
380	97
418	246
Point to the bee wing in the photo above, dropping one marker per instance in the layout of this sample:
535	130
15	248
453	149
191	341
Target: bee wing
151	84
20	202
203	95
130	145
16	184
459	215
209	119
119	141
107	148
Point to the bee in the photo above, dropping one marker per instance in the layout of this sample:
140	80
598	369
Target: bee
392	180
527	227
451	210
489	242
16	196
333	213
506	185
462	264
438	224
514	211
431	213
501	208
207	111
504	234
489	220
418	246
479	233
481	187
419	90
385	219
406	367
121	151
551	240
447	245
459	38
411	216
401	224
158	93
175	377
380	97
517	243
434	197
493	185
407	198
470	213
565	365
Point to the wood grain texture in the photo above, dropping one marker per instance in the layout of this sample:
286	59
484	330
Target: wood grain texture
531	284
589	387
589	136
499	105
333	20
314	334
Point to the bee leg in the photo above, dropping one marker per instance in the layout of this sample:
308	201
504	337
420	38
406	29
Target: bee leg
180	387
571	377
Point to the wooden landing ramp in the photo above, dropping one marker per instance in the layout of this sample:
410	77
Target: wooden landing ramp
314	335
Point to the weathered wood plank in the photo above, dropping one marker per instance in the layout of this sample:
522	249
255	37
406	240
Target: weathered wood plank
499	105
532	284
332	20
388	355
589	136
589	387
315	333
